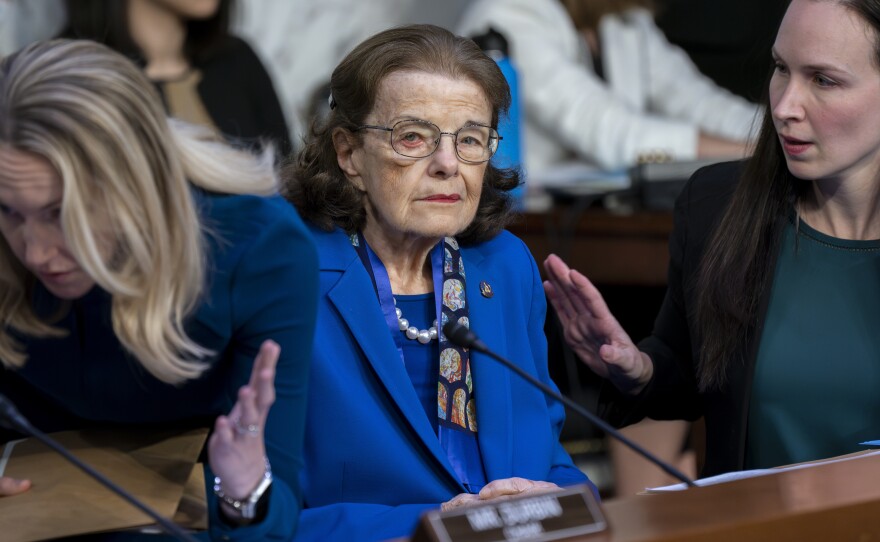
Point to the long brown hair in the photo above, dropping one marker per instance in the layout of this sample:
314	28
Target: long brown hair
733	272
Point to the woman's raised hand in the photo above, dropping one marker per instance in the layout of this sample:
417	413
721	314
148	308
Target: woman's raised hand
236	449
592	331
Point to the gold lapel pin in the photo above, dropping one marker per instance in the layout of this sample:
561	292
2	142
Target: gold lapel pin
486	289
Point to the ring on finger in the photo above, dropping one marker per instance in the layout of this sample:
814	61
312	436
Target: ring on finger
251	429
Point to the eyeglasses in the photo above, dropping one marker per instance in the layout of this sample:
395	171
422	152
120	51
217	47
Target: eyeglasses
413	138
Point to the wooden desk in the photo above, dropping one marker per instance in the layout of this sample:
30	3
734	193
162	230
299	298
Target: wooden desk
611	249
829	502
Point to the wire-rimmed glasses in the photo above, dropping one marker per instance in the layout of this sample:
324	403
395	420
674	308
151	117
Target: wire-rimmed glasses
415	138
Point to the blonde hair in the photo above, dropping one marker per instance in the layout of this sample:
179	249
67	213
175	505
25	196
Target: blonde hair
586	13
126	173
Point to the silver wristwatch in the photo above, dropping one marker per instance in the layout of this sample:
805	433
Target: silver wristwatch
246	507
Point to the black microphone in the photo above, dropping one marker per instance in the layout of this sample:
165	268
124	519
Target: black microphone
464	337
11	418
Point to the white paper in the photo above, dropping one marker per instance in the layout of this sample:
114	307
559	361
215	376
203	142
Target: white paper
7	452
739	475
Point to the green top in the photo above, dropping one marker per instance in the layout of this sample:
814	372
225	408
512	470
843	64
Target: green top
816	390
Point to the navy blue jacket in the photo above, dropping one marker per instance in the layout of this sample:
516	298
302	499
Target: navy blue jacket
262	279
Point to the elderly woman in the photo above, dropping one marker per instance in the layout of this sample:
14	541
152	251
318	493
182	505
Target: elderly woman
138	279
408	215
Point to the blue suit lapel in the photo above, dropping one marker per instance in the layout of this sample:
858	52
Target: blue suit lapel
367	325
491	379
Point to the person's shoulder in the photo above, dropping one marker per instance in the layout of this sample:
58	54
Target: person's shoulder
261	208
503	249
238	217
333	237
501	241
708	192
239	47
251	239
334	247
230	51
716	180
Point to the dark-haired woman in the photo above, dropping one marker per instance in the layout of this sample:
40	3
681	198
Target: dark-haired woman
205	75
769	324
408	216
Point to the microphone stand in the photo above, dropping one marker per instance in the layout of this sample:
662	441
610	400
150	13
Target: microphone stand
11	418
462	336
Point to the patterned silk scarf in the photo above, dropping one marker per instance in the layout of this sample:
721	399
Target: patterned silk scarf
455	389
456	409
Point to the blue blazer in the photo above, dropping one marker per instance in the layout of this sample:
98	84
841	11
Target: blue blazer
373	463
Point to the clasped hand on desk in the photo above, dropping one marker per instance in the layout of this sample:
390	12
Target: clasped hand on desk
592	331
499	490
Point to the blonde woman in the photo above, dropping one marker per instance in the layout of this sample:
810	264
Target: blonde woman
148	276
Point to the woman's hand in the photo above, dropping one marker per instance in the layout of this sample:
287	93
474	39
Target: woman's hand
236	449
13	486
592	331
499	490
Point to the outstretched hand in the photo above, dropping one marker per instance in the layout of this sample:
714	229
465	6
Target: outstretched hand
592	331
237	449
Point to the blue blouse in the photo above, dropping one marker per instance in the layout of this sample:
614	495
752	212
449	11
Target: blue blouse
422	360
262	284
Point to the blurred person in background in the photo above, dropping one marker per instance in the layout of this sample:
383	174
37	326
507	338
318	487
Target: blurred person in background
205	75
302	40
601	84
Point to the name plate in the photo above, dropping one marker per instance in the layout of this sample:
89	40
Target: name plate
560	515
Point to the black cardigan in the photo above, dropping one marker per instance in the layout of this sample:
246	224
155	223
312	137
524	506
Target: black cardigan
238	94
673	344
235	89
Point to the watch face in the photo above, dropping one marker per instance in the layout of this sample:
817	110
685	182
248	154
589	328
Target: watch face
258	499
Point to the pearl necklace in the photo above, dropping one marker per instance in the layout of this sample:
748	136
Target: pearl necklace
413	333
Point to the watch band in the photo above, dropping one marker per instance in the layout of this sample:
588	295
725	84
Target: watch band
247	507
